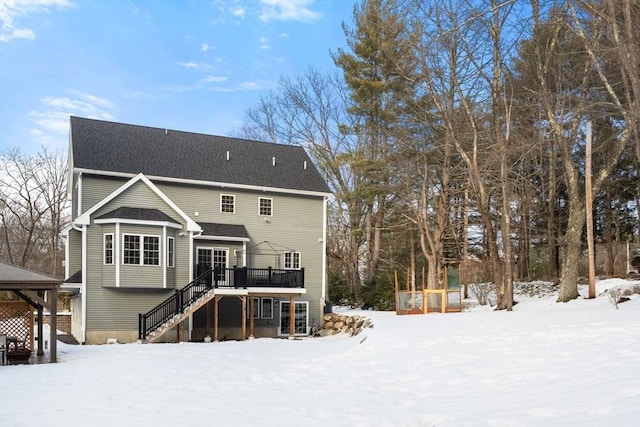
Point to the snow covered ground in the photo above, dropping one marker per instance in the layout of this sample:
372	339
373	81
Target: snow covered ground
545	364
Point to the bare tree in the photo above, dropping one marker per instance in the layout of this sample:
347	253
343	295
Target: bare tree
32	208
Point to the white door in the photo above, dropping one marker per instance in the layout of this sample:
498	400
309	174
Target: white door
214	257
301	318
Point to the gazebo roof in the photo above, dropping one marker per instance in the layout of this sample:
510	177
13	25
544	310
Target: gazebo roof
12	277
28	284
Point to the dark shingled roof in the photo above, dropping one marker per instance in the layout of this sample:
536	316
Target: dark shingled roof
139	214
75	277
116	147
14	274
229	230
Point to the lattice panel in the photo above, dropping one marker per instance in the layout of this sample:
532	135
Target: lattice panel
16	320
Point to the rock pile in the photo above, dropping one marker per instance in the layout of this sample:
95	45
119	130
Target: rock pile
341	323
537	288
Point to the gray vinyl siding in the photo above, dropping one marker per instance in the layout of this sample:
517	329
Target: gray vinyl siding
296	224
95	188
74	195
108	270
141	276
75	251
110	309
139	196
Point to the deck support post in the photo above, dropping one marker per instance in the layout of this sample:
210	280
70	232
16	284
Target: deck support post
292	313
208	329
216	300
244	317
252	303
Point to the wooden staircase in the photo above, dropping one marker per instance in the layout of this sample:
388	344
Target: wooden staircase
155	335
153	324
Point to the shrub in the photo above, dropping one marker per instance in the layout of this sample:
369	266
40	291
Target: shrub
380	295
340	292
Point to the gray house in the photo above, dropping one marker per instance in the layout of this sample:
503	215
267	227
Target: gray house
183	236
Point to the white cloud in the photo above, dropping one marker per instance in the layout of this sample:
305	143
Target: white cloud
288	10
238	12
12	10
205	47
214	79
263	43
255	85
244	86
188	64
195	65
52	119
284	35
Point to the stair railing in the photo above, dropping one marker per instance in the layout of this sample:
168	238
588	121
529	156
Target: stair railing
175	304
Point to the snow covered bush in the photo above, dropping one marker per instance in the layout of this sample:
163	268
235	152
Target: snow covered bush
483	291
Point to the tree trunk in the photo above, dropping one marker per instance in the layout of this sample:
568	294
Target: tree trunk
572	251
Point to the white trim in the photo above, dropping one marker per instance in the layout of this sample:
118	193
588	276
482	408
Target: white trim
85	218
287	291
262	316
171	260
230	291
138	222
117	253
224	238
244	253
207	183
191	254
234	203
256	306
280	334
104	248
79	190
270	206
65	231
83	291
67	252
163	256
141	249
323	271
293	264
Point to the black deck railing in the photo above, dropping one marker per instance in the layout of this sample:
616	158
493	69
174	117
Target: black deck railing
175	304
244	277
216	277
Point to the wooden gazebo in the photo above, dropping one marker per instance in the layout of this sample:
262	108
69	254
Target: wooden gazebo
31	287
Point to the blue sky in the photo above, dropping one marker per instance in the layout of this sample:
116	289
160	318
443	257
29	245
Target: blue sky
193	65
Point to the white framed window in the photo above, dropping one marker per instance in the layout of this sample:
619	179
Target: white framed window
131	249
140	250
227	203
171	252
301	318
292	260
266	308
108	249
256	308
262	308
265	206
